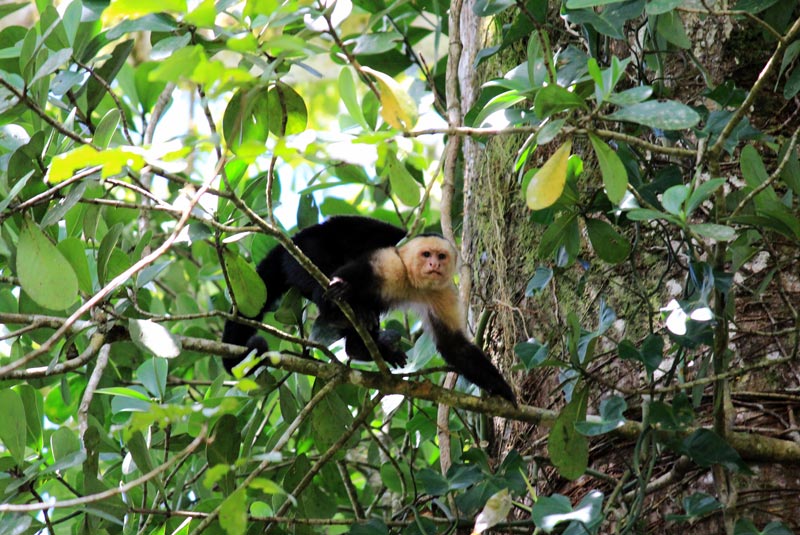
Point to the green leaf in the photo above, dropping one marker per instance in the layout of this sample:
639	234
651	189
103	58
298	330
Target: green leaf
706	448
233	513
568	449
673	199
755	173
286	111
225	446
665	115
45	275
245	123
154	338
755	6
57	211
531	354
8	8
486	8
615	177
13	426
349	96
403	184
153	375
124	392
580	4
392	478
51	64
608	244
181	65
432	482
497	103
703	192
714	231
611	417
549	131
541	277
697	505
556	234
246	285
32	401
62	401
550	510
585	518
133	9
104	252
645	214
113	161
307	211
106	129
95	91
329	421
657	7
63	443
374	43
204	16
670	27
630	96
553	99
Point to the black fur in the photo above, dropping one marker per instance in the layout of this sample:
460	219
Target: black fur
470	361
330	245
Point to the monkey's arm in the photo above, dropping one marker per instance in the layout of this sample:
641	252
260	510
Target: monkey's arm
469	361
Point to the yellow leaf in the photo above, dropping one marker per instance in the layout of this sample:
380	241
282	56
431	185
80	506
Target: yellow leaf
547	184
398	109
495	511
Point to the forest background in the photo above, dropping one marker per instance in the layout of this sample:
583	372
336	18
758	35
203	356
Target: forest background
621	177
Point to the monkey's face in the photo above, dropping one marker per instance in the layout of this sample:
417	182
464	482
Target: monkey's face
430	262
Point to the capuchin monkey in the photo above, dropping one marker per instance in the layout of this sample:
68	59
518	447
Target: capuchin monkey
374	276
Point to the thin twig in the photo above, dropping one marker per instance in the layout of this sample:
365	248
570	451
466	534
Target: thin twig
110	493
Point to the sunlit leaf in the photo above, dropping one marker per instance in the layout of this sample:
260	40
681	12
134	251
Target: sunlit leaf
349	96
154	338
546	186
286	110
398	109
119	10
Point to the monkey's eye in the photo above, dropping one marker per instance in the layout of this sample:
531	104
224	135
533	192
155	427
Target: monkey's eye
442	256
426	254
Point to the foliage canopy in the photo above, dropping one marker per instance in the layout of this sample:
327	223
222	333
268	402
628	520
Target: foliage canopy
152	152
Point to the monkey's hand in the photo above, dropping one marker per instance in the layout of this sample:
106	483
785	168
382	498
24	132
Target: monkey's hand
338	289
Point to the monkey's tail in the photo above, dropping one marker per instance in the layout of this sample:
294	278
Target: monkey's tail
470	361
271	271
